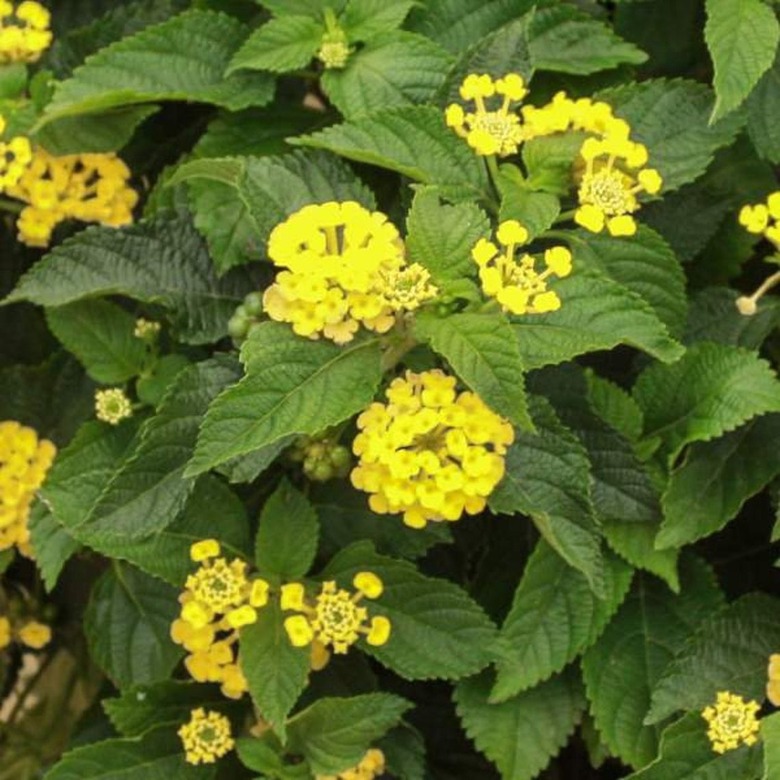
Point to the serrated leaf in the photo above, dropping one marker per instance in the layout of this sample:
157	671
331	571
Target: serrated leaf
548	478
363	19
438	632
482	351
183	58
333	734
282	44
127	623
672	119
521	735
554	617
536	211
614	405
155	756
770	736
275	670
394	69
715	480
742	37
687	754
566	40
624	665
763	107
160	261
644	264
52	544
413	141
596	314
292	385
100	334
711	390
287	538
729	652
404	751
152	386
549	161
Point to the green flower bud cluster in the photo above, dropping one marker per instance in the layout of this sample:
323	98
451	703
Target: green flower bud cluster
246	317
322	458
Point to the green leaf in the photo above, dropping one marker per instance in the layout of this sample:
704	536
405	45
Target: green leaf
100	334
614	405
672	119
52	544
440	237
155	756
742	37
276	671
554	617
763	107
184	58
152	386
313	8
404	751
549	161
729	652
715	480
521	735
770	736
482	351
282	44
566	40
413	141
548	478
711	390
644	264
147	492
624	665
292	385
596	313
162	260
456	24
140	709
438	631
363	19
394	69
288	534
536	211
127	623
333	734
687	754
13	80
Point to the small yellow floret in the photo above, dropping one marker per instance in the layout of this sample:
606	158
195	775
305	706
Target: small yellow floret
112	406
368	584
371	765
146	330
732	722
35	635
205	549
24	33
773	679
206	737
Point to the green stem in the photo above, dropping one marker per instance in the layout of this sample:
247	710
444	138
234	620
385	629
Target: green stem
12	206
565	216
492	166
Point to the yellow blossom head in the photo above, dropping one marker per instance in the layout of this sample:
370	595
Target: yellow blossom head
112	406
612	179
206	737
763	218
430	453
15	156
24	462
24	31
732	722
371	765
146	330
514	282
494	130
773	679
341	263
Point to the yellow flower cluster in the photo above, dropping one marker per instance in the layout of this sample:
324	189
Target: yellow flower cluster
15	156
371	765
146	330
206	737
489	131
345	267
615	174
219	600
515	283
112	406
562	114
24	31
333	618
24	461
31	634
87	187
773	681
430	452
763	218
732	722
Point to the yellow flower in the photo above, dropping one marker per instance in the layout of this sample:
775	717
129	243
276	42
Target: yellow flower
15	156
206	737
773	682
371	765
429	453
5	632
334	618
763	218
562	114
732	722
219	586
146	330
35	635
614	175
24	32
488	131
24	463
515	283
112	406
340	261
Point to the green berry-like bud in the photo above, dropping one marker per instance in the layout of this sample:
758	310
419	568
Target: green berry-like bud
238	327
253	304
322	472
340	457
